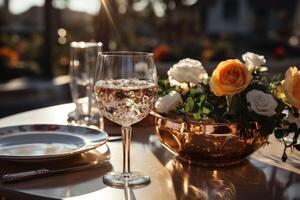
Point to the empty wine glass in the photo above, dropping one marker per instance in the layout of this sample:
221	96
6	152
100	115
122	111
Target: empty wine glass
83	56
125	88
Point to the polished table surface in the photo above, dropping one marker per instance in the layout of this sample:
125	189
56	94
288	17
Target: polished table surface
261	176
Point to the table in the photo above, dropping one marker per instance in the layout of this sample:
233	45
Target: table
261	176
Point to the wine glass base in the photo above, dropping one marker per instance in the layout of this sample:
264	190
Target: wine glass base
120	180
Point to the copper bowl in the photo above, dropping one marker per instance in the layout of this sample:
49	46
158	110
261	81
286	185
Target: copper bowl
208	144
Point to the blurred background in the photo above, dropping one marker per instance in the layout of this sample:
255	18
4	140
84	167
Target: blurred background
35	36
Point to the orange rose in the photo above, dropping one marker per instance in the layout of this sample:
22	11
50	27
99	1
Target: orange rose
291	86
230	77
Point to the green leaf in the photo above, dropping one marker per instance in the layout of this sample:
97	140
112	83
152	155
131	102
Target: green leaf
206	111
193	92
197	115
220	106
166	82
209	106
268	124
229	99
202	99
235	110
189	104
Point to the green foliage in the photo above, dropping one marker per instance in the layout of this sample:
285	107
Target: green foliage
164	87
196	104
189	105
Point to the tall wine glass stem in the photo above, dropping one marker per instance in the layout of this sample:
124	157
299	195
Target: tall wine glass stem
126	178
126	138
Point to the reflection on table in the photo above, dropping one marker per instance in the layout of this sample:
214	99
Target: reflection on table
251	179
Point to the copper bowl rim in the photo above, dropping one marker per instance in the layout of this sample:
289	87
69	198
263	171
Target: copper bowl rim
155	114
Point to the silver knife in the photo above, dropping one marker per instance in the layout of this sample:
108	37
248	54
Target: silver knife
20	176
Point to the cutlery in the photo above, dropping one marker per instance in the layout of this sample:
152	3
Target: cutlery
26	175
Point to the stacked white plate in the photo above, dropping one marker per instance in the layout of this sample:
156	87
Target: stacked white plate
47	141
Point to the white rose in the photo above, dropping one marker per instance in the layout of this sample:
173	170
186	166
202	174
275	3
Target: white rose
183	88
261	103
168	102
187	71
254	61
292	119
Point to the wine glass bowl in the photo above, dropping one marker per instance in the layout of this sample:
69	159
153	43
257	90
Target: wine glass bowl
125	101
125	89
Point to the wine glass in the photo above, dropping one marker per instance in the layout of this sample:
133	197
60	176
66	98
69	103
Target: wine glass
125	89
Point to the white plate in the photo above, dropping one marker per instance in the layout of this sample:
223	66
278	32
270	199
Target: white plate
47	141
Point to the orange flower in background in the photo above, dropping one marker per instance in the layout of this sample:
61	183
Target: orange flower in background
9	54
230	77
207	54
161	52
291	86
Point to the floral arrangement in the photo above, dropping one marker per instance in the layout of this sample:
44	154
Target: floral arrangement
240	92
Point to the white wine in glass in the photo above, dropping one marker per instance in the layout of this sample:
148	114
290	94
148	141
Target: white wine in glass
125	89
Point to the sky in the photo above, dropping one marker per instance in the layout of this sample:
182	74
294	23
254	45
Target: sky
19	6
